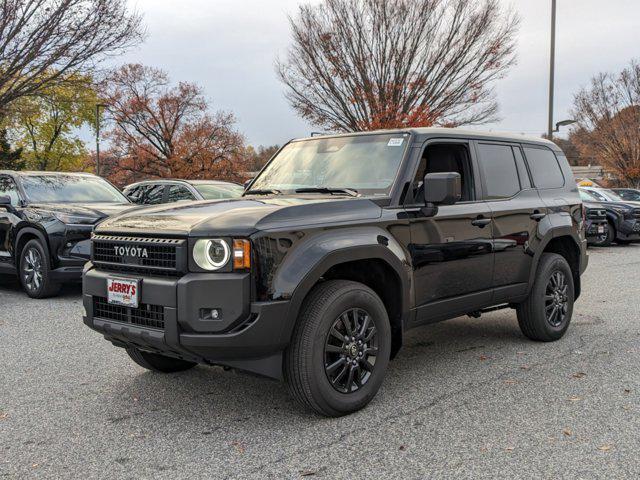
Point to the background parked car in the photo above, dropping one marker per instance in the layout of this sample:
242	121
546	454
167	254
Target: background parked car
630	194
623	217
46	220
153	192
597	227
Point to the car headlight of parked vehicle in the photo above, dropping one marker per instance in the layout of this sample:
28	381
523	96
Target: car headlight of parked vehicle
70	219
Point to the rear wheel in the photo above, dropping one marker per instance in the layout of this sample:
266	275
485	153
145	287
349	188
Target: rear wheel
546	314
340	349
157	362
35	271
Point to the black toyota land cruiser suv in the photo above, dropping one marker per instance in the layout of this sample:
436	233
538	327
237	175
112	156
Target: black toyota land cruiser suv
338	247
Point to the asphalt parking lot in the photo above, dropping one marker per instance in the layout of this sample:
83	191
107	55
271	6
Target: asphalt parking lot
465	398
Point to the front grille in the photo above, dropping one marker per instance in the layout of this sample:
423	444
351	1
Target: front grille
636	213
596	214
150	316
157	256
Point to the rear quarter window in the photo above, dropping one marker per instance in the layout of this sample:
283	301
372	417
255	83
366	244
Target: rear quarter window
545	168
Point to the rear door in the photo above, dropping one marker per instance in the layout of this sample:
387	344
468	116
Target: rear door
516	208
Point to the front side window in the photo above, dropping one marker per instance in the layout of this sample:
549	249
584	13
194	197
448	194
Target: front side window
366	163
62	188
544	167
179	193
445	158
500	171
9	189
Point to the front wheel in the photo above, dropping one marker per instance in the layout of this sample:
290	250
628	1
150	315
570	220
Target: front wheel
340	348
35	271
546	314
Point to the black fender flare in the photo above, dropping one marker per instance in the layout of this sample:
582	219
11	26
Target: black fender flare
555	232
300	272
21	232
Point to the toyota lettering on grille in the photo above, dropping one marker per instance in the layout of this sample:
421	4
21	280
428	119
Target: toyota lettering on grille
132	252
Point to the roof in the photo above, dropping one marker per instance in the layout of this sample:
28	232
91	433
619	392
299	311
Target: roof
41	173
456	132
179	180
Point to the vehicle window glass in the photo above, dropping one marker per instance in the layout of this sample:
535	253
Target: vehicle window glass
598	196
544	167
216	191
613	196
525	182
587	196
152	195
178	193
366	163
498	165
66	188
9	189
444	158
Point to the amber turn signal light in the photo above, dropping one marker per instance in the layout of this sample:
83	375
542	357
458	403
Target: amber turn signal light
241	254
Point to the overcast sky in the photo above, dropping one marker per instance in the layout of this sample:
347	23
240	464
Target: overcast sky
229	47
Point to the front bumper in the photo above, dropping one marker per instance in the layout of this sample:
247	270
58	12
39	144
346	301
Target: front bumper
248	336
595	229
629	229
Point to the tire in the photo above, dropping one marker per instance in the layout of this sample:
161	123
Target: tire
159	363
611	235
532	313
311	358
35	271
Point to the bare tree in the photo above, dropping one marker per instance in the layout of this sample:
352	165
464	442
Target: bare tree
608	115
44	42
367	64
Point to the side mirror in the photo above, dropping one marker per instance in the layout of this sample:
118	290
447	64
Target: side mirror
5	201
442	188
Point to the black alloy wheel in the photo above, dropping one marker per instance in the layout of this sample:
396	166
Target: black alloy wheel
556	301
32	269
350	350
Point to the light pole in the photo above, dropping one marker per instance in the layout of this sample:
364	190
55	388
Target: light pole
562	123
552	61
98	106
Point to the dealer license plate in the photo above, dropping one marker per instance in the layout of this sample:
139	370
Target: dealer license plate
601	229
124	292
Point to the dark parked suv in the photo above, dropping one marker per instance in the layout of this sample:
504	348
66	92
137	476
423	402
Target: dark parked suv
46	221
340	246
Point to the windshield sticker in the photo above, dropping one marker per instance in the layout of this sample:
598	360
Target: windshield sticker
395	142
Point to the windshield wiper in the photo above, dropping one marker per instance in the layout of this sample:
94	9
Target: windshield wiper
331	190
265	191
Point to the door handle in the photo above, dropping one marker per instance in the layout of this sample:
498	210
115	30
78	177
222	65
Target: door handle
481	222
537	216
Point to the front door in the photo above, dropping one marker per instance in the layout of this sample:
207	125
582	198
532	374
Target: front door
451	252
9	189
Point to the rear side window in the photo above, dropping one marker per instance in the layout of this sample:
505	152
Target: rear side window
498	165
544	167
151	194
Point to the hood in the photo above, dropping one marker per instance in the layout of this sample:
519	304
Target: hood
98	210
621	205
242	216
594	205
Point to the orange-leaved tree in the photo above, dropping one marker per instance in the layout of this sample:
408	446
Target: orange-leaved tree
164	131
608	128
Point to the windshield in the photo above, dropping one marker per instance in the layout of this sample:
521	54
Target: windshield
365	163
613	196
605	195
216	191
70	189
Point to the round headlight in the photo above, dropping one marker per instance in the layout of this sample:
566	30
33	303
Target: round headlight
211	254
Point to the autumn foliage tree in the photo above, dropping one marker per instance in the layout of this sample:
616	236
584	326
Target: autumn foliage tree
161	131
367	64
608	128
